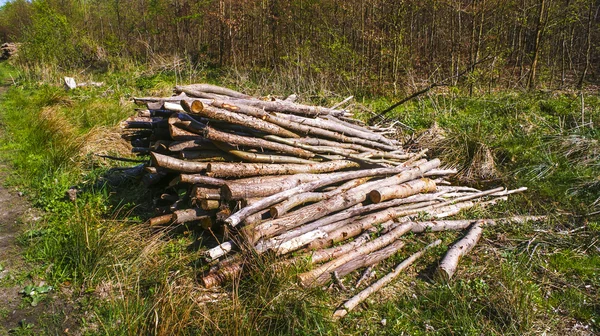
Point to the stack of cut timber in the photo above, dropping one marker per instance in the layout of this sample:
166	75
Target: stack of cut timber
278	176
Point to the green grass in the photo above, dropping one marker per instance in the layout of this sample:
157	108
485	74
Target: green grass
521	279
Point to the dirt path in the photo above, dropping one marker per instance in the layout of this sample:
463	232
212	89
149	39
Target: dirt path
17	315
14	212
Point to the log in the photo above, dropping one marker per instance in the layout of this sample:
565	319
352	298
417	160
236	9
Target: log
212	89
342	102
236	218
345	217
205	192
221	275
207	156
443	225
209	204
447	209
327	150
337	127
319	275
298	127
197	179
173	164
260	158
196	144
235	190
402	190
180	134
189	215
161	220
273	106
319	256
253	142
449	263
253	169
342	201
219	251
246	121
365	293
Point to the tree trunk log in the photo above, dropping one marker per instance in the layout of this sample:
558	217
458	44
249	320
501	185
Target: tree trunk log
402	190
170	163
255	169
246	121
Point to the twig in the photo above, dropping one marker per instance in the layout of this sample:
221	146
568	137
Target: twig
338	281
365	276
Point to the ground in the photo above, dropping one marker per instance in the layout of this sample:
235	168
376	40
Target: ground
17	315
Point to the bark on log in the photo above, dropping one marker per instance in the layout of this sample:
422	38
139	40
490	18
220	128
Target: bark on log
260	158
161	220
255	169
402	190
360	297
254	142
212	89
170	163
246	121
189	215
449	263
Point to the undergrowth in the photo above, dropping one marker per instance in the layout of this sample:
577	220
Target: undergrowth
521	279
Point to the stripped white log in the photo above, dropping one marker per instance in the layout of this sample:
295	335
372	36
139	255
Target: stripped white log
449	263
219	251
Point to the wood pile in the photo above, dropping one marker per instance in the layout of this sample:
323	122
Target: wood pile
280	177
8	50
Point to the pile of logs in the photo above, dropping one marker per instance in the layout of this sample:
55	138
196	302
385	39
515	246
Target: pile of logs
8	50
277	176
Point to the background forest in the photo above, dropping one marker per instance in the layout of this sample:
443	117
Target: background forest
367	46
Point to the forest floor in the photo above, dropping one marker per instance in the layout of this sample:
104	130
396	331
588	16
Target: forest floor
111	275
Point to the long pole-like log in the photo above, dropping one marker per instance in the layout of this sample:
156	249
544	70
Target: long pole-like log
219	169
